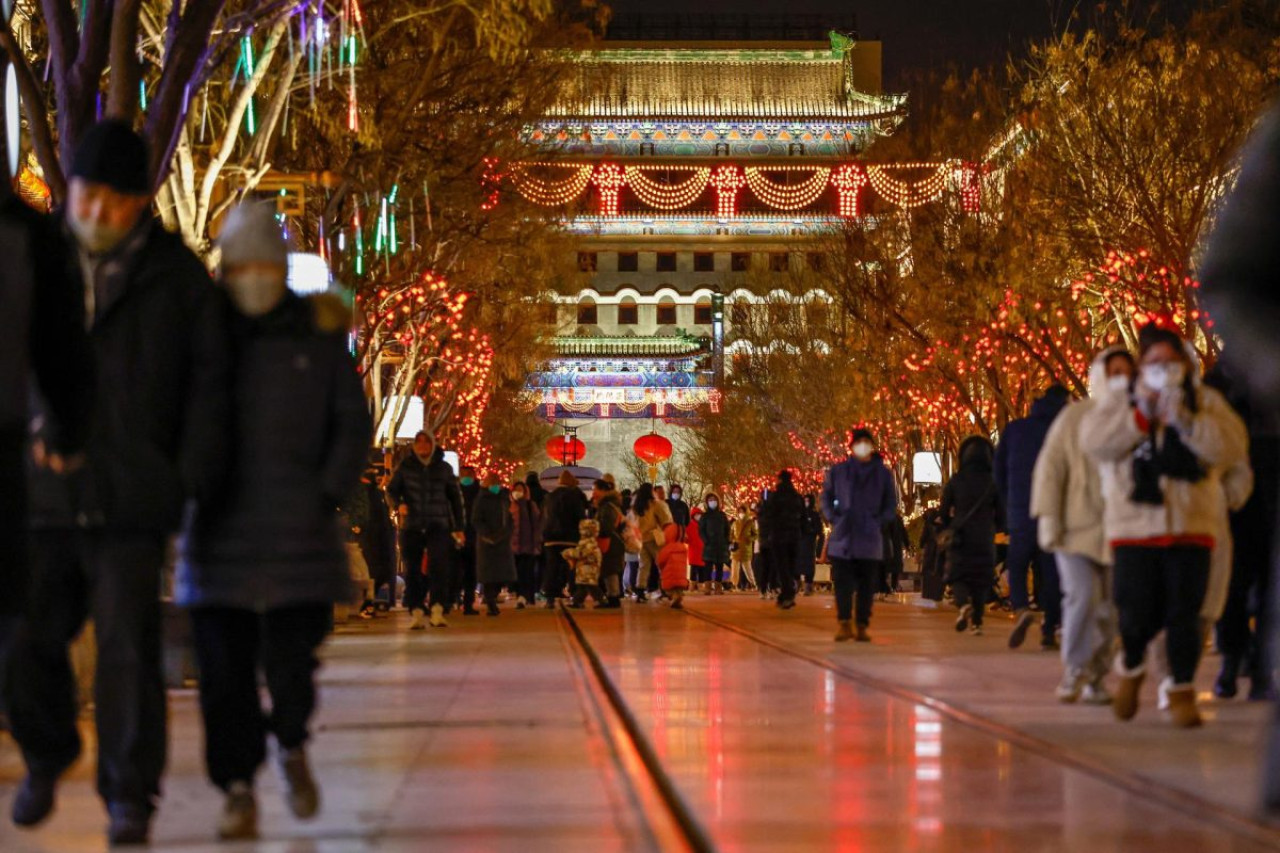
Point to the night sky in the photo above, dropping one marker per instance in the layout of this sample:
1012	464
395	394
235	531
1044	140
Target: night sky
918	35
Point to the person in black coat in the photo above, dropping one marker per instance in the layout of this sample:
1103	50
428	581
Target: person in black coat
714	528
812	535
680	511
972	514
463	589
429	504
781	529
932	562
262	566
159	437
561	512
377	535
43	334
895	550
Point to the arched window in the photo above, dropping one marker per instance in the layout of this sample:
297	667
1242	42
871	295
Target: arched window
667	312
628	312
702	312
587	313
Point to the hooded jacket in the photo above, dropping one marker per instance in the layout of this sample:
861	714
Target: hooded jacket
491	522
971	507
609	515
693	535
1191	512
713	526
430	489
860	498
1015	461
1066	489
782	517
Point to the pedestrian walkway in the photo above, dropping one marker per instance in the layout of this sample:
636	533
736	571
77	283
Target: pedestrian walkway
496	734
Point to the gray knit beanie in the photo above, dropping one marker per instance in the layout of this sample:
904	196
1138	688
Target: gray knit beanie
250	234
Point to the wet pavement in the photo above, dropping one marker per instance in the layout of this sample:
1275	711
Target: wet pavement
494	734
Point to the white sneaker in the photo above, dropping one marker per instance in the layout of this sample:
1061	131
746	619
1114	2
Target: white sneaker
1162	693
418	622
1068	689
1095	693
437	616
520	603
975	631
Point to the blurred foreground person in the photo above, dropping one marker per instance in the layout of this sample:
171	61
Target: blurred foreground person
262	566
160	423
860	499
429	504
1066	499
972	513
1241	277
1163	449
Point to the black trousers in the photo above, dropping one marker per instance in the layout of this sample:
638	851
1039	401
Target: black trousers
973	593
716	572
854	578
782	570
555	571
232	645
1162	588
438	547
113	578
464	583
527	576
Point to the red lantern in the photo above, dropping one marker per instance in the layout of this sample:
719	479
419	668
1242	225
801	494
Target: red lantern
566	450
652	449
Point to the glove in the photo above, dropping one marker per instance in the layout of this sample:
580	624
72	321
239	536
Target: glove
1172	411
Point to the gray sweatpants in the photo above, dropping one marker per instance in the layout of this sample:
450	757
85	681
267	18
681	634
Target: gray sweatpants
1088	621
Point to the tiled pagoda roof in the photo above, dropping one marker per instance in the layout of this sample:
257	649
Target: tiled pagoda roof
717	84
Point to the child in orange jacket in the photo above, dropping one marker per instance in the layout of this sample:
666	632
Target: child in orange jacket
673	564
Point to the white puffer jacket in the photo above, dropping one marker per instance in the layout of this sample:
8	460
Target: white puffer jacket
1110	434
1066	490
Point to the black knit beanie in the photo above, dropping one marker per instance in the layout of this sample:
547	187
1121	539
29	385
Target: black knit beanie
111	153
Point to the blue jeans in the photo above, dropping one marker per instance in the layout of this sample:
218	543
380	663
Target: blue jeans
1024	555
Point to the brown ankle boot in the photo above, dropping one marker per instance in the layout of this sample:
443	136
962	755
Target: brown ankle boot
1124	702
1182	706
846	631
862	636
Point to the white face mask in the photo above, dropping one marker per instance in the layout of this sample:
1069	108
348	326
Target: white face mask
96	237
1118	384
255	292
1159	377
675	496
712	504
863	450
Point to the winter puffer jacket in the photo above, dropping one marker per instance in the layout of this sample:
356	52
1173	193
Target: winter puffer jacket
860	498
971	507
1110	433
609	516
431	492
1066	490
562	512
714	528
782	517
1016	455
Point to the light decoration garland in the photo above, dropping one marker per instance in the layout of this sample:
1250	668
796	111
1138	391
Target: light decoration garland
849	180
787	196
543	192
727	180
668	196
907	194
609	179
490	184
969	177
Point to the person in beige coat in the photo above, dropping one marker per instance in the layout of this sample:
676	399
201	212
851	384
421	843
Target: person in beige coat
1163	450
1066	500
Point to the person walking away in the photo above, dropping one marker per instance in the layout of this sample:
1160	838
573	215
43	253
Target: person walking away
1066	501
1162	449
429	504
673	565
584	561
160	425
462	591
697	564
859	497
895	552
933	582
782	531
261	567
679	509
1020	445
533	483
612	546
44	334
972	514
526	543
655	581
713	528
377	535
561	512
745	536
491	521
810	547
651	515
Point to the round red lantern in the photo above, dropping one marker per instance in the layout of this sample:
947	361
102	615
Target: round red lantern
566	449
652	449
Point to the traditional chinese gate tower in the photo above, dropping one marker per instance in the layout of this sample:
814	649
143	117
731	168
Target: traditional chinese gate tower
707	167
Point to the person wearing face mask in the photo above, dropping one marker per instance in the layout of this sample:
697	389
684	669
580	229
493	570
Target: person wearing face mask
713	526
1066	501
526	522
859	498
463	588
429	504
746	535
491	522
1162	450
1020	445
261	567
679	509
161	423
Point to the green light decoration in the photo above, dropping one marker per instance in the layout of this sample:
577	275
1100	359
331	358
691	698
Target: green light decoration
142	94
246	60
351	50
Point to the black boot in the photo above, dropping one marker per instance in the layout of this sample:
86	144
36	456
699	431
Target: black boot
34	799
1225	686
